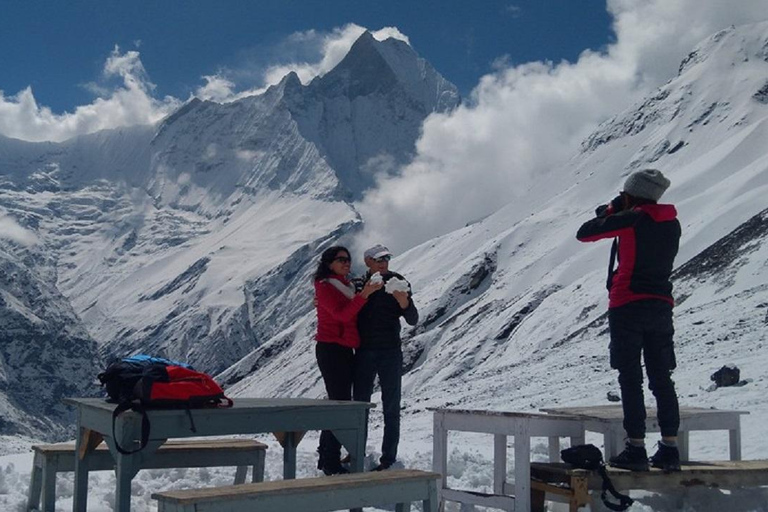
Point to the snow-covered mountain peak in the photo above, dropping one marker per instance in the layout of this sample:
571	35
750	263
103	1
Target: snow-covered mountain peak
719	82
373	66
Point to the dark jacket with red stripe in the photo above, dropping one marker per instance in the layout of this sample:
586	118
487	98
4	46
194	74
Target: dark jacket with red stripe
648	240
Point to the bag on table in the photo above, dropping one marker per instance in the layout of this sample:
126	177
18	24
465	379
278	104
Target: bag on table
145	382
589	456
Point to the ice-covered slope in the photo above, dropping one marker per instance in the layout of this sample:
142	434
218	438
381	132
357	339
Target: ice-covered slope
194	238
513	307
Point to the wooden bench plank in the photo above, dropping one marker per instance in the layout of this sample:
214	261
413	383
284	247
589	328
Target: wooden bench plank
559	478
310	494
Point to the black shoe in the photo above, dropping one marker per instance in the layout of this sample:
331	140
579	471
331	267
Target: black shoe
334	468
633	458
382	466
347	459
666	458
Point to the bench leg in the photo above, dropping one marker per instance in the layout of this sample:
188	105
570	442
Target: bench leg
240	474
257	473
432	503
403	507
49	485
537	500
258	468
580	494
35	483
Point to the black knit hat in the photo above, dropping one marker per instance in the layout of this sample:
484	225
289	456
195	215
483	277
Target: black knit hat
646	184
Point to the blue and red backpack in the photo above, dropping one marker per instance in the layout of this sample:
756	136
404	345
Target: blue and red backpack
143	382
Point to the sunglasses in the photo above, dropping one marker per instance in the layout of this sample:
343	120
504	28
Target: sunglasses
383	259
342	259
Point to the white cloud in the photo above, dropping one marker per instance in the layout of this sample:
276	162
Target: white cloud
217	88
129	103
522	121
329	48
11	230
334	46
132	101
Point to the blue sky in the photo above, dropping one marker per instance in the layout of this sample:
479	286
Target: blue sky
59	47
541	75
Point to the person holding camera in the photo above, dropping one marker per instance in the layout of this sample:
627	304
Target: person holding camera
646	239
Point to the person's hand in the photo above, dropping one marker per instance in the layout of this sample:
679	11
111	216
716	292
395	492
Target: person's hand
617	204
370	287
402	298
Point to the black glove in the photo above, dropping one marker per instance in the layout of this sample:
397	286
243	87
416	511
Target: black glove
617	203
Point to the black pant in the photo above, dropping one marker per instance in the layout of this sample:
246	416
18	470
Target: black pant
336	366
388	365
645	327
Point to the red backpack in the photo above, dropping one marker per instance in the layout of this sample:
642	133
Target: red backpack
161	386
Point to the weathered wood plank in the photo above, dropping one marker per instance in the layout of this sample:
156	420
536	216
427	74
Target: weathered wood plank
614	412
175	446
480	499
400	487
719	474
336	482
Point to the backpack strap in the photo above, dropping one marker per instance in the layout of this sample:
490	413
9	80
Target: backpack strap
612	262
122	407
624	500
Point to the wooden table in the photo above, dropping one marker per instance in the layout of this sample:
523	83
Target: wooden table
522	426
287	417
608	420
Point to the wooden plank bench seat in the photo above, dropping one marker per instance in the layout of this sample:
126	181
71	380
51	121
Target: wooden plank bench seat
50	459
560	479
311	494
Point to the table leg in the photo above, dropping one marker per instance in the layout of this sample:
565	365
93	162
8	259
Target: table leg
734	440
354	441
554	449
440	456
499	463
522	468
123	476
613	439
289	456
578	440
83	448
682	444
126	467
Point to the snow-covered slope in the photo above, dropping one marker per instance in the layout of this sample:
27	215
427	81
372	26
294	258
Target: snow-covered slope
513	307
194	238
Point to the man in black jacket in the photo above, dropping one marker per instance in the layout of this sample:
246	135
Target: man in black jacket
380	352
646	238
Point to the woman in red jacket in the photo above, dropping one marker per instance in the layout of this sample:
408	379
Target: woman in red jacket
337	337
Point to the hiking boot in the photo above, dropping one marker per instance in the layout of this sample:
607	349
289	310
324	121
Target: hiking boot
334	468
666	458
633	458
382	466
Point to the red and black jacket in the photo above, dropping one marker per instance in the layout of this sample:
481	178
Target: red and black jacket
337	314
648	240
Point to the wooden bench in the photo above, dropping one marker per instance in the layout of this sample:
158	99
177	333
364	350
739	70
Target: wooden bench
58	458
311	494
565	483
